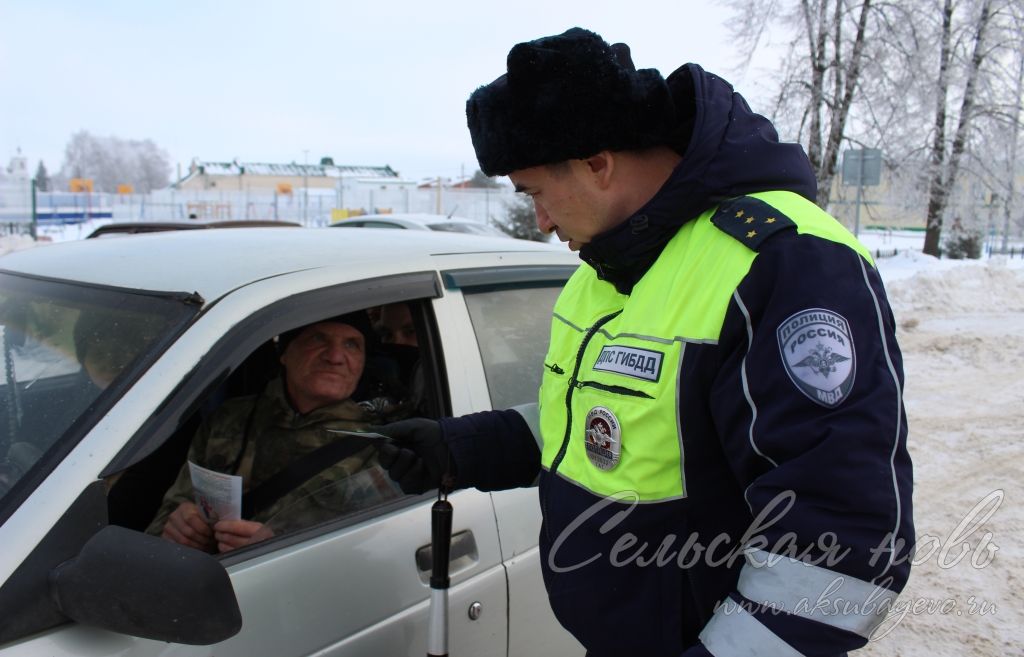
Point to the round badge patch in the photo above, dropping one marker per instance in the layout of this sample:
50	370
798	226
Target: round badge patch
817	352
603	438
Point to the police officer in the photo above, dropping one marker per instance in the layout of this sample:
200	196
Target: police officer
721	441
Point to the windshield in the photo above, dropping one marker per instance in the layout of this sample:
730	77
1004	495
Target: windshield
466	227
64	347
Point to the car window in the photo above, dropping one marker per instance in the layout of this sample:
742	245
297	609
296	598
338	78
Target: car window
298	470
512	326
64	348
380	224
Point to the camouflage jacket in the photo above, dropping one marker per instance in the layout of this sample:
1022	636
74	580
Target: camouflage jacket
277	436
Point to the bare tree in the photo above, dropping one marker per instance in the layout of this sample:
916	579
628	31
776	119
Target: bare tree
934	83
821	72
846	70
1014	119
943	178
111	161
152	165
936	194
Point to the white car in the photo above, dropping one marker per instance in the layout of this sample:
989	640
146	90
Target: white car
435	222
191	316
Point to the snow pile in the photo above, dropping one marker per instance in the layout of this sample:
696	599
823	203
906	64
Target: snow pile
985	286
10	243
906	263
961	331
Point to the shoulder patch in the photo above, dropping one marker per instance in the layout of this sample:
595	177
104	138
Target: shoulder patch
750	220
817	352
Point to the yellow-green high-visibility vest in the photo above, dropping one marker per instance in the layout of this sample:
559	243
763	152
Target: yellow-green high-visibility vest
608	399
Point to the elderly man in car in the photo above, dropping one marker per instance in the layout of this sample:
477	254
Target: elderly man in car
267	438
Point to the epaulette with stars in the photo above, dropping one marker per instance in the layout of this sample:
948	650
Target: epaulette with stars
750	220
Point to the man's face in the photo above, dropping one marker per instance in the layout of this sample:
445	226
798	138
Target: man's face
396	326
323	364
565	200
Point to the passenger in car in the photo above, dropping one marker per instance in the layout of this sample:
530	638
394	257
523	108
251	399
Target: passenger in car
395	325
396	330
106	345
267	439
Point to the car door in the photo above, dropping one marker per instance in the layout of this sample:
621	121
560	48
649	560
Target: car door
508	310
356	585
362	589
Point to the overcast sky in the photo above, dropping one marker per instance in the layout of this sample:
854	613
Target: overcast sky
365	82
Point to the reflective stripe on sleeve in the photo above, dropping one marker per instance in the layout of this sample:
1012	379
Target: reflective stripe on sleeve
809	591
734	632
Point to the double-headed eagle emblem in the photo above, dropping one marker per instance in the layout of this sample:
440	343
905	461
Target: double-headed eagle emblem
822	360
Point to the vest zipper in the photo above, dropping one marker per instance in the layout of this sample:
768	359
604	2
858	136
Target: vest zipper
568	398
555	368
618	390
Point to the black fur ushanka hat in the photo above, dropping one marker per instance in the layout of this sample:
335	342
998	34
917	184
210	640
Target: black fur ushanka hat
564	97
356	319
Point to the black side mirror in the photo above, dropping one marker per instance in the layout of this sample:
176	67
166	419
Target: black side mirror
144	586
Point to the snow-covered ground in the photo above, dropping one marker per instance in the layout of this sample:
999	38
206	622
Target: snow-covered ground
961	330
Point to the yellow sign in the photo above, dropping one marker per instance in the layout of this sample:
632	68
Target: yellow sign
125	189
284	188
80	185
341	214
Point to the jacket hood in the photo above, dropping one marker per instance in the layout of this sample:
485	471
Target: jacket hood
727	150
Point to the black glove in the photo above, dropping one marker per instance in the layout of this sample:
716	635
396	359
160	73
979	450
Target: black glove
417	456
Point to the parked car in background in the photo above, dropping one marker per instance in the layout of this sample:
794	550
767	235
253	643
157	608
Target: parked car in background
437	222
83	464
136	227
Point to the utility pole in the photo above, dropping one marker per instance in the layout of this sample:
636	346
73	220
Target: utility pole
991	228
35	212
860	189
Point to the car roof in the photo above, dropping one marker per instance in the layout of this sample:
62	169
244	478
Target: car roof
215	261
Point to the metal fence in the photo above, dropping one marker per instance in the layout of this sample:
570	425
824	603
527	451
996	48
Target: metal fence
15	207
1011	252
313	207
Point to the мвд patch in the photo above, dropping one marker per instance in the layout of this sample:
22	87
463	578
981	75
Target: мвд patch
818	354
